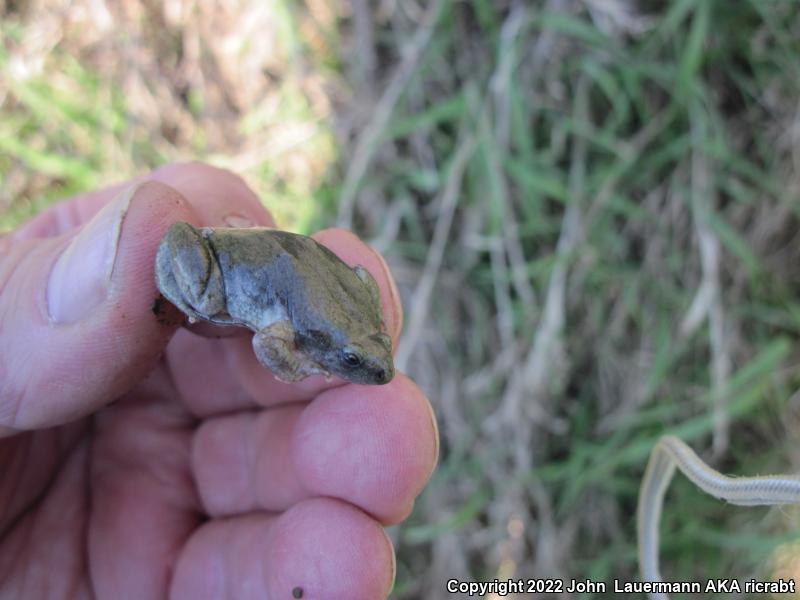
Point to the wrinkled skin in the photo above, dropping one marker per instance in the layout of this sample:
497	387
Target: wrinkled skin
139	460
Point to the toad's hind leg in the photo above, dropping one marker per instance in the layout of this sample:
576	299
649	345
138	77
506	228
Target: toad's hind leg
369	281
275	349
187	273
374	292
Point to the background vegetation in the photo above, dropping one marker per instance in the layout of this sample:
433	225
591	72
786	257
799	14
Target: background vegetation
591	208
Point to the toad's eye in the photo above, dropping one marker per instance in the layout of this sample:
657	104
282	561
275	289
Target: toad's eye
351	358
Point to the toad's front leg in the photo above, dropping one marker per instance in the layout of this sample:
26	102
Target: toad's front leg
275	349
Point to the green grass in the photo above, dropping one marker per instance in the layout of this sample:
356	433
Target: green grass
607	142
616	134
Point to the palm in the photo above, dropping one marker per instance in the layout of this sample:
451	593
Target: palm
105	504
111	503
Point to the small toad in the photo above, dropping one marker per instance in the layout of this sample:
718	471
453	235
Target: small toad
310	312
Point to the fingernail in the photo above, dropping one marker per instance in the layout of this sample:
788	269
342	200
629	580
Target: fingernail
394	297
394	558
81	275
435	425
237	220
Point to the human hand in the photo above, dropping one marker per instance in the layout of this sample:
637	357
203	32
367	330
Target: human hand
207	478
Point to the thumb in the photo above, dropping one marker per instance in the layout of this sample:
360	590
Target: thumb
76	321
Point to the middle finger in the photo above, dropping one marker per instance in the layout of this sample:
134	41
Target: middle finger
374	447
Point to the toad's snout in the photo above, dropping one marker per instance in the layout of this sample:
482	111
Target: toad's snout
384	375
380	371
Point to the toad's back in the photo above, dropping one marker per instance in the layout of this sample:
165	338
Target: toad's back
271	274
